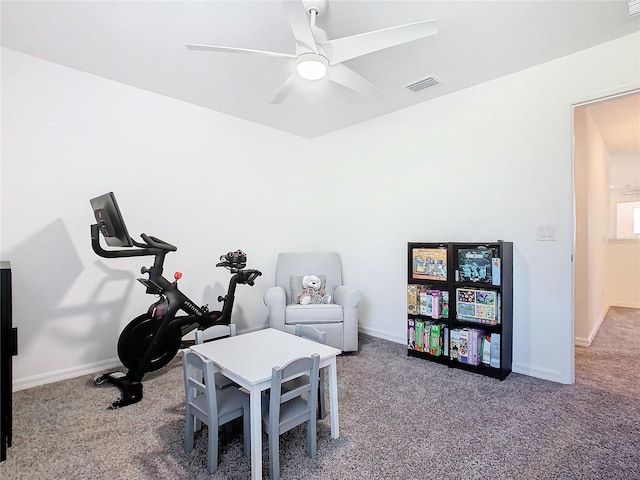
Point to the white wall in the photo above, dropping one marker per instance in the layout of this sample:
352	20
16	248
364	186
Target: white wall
491	162
591	185
583	331
598	224
623	273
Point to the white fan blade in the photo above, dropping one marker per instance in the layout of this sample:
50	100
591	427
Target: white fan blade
300	24
286	88
215	48
352	80
346	48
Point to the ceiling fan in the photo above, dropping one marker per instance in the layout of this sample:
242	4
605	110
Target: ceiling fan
317	57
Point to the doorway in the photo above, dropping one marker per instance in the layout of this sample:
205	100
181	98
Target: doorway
606	195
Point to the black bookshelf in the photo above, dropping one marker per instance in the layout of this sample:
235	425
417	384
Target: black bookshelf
8	348
495	280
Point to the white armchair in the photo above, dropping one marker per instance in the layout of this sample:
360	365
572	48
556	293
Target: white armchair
339	319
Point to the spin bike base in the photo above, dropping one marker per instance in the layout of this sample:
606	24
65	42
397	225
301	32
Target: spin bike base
131	390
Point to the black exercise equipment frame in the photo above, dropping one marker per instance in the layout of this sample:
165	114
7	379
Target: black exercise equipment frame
160	327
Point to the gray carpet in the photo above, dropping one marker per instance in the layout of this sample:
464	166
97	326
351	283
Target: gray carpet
400	418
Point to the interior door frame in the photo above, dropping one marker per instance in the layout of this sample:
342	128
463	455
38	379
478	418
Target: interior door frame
596	97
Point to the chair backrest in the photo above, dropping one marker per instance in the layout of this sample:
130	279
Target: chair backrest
311	333
198	373
216	331
308	366
325	264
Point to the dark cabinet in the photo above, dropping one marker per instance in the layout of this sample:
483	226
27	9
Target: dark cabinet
8	348
460	305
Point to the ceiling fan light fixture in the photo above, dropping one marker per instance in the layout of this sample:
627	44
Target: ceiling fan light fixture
312	66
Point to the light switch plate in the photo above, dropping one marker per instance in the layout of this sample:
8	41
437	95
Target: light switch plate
546	233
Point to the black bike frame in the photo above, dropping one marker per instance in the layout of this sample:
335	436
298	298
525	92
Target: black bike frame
156	284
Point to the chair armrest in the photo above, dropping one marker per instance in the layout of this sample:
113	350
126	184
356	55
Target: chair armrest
347	297
275	299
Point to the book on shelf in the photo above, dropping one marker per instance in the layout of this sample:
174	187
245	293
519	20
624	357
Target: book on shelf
478	265
435	304
454	344
425	301
435	339
495	271
495	350
475	346
429	263
477	305
486	349
432	303
411	334
445	341
444	306
412	299
419	335
465	345
463	349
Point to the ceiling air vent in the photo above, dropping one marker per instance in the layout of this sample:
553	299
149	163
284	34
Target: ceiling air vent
634	7
427	82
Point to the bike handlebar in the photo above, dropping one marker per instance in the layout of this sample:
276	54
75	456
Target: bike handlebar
157	243
152	246
249	276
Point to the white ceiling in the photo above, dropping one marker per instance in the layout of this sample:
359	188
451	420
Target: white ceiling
142	44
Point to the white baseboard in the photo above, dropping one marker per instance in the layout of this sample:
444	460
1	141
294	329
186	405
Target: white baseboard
582	342
586	342
384	335
543	373
56	376
65	374
625	305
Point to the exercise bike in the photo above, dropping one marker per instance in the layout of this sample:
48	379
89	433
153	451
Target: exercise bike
151	340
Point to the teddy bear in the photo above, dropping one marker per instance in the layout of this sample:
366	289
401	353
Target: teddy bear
312	291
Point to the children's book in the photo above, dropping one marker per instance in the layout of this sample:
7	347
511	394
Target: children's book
495	271
464	346
419	335
454	347
412	299
486	349
444	304
435	304
495	350
435	339
411	334
475	265
480	306
475	346
430	263
445	341
424	300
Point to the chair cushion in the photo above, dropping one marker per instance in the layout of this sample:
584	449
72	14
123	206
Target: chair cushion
315	313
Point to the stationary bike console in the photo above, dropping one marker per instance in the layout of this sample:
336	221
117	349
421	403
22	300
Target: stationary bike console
151	340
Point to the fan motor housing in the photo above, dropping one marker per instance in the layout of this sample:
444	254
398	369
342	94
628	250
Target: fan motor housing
317	5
